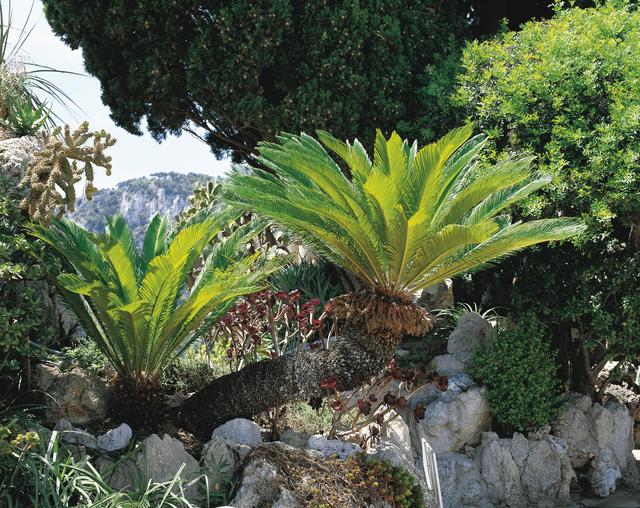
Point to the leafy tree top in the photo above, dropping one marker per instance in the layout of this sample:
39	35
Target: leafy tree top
243	71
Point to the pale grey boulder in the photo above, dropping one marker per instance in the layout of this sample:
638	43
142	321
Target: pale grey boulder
599	440
239	431
471	332
16	154
452	421
293	438
115	439
158	459
329	447
522	472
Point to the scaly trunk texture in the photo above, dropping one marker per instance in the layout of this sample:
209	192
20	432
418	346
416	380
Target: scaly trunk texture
355	357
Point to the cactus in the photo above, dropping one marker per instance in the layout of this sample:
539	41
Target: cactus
63	161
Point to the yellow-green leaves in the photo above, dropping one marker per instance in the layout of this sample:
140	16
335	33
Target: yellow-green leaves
404	221
136	305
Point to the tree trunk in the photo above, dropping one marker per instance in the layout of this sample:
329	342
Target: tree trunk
355	357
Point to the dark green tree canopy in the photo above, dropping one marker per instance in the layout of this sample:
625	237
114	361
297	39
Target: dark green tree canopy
239	71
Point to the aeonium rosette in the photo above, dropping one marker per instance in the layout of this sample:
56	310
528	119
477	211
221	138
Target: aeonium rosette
268	324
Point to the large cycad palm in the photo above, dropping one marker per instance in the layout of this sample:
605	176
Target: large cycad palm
402	221
135	304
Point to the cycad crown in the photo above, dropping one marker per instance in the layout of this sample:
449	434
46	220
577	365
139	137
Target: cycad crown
136	305
404	221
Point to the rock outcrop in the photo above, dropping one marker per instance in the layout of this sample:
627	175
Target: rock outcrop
454	418
75	395
600	442
471	331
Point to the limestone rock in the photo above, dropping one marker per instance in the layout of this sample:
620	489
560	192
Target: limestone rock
115	439
156	459
439	296
522	472
461	484
259	485
398	434
330	447
163	458
600	441
542	472
293	438
501	474
472	331
447	365
71	435
75	395
453	421
604	472
240	431
220	461
15	155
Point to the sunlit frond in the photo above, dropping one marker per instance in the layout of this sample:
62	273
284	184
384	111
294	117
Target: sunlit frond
403	219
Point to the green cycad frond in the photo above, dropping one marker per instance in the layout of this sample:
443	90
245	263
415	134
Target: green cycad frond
406	218
136	305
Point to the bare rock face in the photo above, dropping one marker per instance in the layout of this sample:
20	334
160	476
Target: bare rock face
156	459
16	154
472	331
600	442
76	395
453	420
239	431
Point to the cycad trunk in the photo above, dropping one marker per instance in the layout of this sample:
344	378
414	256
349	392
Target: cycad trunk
355	357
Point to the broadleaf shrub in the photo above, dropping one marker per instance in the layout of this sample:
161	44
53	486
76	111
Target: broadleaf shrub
518	367
22	261
568	91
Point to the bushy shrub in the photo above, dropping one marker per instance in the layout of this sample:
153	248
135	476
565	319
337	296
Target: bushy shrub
519	370
568	90
22	260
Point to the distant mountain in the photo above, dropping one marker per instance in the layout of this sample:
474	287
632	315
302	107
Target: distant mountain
138	200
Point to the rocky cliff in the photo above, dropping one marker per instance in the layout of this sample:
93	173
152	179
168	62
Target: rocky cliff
138	200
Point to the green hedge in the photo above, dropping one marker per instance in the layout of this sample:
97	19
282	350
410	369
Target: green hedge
568	90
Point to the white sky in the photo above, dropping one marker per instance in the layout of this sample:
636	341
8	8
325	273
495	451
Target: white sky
133	156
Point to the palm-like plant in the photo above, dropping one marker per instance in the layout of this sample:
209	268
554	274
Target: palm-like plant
403	221
135	304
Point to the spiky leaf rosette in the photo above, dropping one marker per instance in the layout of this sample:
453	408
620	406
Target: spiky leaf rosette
403	221
135	303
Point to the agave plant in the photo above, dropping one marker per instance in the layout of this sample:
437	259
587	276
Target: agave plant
135	303
402	221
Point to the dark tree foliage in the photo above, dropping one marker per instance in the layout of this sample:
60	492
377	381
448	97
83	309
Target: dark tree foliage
238	71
